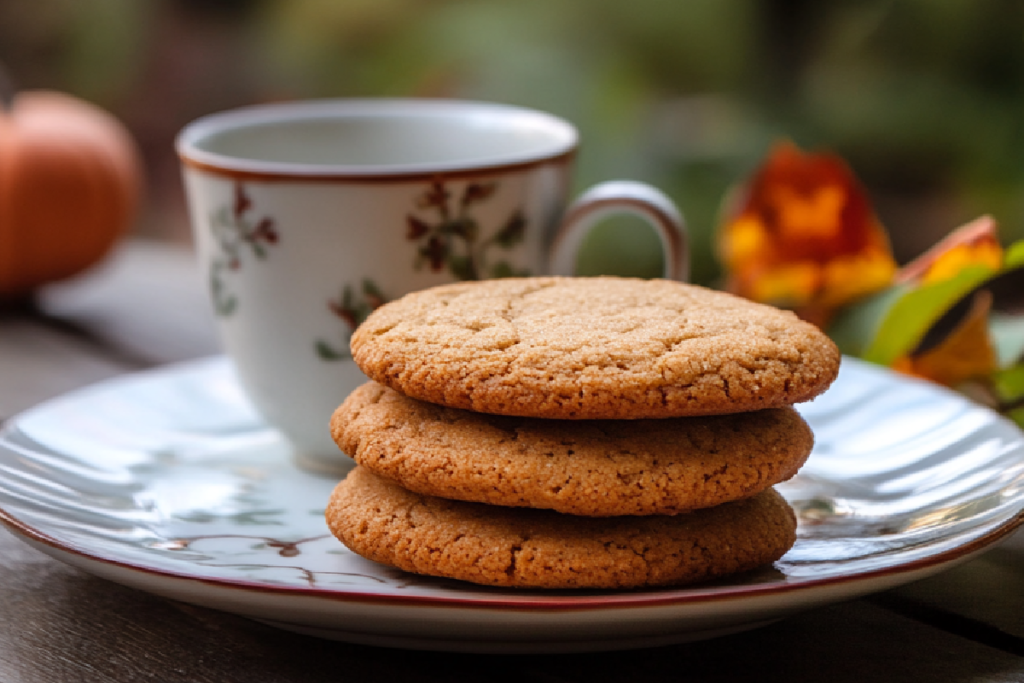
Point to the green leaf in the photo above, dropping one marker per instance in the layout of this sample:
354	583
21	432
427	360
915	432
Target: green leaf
856	326
513	232
469	229
224	304
462	267
466	228
1009	389
1014	255
502	269
221	218
326	352
912	315
505	269
370	288
1009	383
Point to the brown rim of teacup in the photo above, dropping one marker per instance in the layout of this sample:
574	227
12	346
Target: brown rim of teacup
240	168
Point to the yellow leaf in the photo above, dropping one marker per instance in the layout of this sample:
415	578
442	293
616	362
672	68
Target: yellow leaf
974	243
966	353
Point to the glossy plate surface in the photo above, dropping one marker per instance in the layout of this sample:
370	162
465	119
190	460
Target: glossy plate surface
167	481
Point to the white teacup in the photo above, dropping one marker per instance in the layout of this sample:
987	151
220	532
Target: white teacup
308	215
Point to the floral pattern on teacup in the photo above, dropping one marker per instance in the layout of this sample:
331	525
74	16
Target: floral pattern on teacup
235	232
450	238
352	311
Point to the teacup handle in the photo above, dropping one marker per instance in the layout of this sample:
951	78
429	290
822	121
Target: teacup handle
622	197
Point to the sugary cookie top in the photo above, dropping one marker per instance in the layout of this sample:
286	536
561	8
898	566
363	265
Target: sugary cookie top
593	348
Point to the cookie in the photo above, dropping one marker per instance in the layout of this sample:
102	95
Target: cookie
593	348
529	548
579	467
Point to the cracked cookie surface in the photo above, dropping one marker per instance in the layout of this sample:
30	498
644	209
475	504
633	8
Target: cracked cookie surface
528	548
579	467
593	348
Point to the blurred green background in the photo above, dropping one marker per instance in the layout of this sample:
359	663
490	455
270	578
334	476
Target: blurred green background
924	98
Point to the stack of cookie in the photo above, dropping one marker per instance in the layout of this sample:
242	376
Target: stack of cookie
576	432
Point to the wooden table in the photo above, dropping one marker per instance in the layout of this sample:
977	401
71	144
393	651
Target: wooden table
145	307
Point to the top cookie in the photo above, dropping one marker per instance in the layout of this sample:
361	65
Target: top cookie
593	348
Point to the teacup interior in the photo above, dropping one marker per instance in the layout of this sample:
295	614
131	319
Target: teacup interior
389	137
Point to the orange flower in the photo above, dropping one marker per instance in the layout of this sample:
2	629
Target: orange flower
804	235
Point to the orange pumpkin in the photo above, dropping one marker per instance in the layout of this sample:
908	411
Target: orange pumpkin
70	182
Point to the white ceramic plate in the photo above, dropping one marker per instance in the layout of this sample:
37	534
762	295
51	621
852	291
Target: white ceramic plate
167	481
